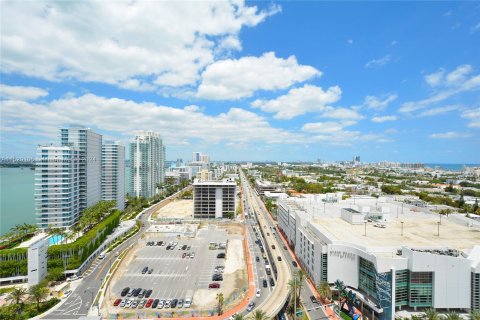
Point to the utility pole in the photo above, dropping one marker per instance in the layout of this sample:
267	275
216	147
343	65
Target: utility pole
365	228
402	228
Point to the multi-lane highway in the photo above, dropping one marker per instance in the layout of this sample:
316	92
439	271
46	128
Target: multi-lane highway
315	311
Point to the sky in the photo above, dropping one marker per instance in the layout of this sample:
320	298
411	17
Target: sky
258	81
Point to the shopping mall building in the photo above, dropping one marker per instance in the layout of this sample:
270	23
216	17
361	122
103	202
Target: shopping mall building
394	256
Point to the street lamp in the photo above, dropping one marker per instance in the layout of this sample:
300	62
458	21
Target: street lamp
438	231
365	228
402	228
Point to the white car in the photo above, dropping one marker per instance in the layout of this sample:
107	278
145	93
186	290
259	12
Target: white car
161	303
258	293
66	294
129	303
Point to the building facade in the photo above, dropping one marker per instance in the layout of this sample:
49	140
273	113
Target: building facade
213	199
391	263
37	261
57	186
89	146
113	173
147	155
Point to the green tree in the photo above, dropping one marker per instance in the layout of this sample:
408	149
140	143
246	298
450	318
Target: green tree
324	290
220	301
259	315
475	315
452	316
391	189
431	314
55	274
239	317
17	296
475	207
38	293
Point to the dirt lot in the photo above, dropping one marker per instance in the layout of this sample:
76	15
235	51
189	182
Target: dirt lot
180	209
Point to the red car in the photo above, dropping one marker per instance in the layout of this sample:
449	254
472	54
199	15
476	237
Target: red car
149	303
214	285
117	302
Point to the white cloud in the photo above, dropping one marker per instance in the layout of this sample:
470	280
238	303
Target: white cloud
327	127
476	27
384	118
377	63
447	84
235	79
437	111
449	135
473	115
124	118
341	113
117	42
299	101
379	103
21	93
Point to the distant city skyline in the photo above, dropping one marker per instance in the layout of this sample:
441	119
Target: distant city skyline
245	81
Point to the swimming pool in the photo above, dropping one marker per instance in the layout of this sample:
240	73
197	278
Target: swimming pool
55	239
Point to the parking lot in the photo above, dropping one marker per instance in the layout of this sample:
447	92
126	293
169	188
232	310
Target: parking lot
174	276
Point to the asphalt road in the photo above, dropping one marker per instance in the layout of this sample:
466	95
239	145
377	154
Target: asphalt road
315	311
80	301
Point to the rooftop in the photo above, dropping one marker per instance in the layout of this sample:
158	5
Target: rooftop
420	229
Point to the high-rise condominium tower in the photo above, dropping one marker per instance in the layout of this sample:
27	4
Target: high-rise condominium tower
89	145
57	192
113	173
147	155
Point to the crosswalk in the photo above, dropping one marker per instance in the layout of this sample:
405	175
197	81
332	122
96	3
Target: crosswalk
92	268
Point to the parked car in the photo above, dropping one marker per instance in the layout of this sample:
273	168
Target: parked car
125	291
180	303
144	270
155	303
128	304
279	258
265	283
161	304
184	247
134	304
257	294
272	283
141	304
214	285
150	271
117	302
217	277
167	303
141	293
294	263
257	258
184	255
173	304
148	293
123	303
149	303
221	255
189	247
188	302
136	292
192	255
313	299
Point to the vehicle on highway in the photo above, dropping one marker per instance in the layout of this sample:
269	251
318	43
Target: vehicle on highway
149	303
313	299
250	307
74	277
272	283
122	304
214	285
279	258
268	270
155	303
173	304
148	293
257	258
102	255
257	294
180	303
221	255
265	283
66	294
294	263
188	302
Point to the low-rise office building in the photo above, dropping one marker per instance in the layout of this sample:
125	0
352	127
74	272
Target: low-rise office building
261	186
392	257
213	199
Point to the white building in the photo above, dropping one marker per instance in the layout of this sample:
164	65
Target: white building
213	199
57	186
147	154
89	145
113	173
392	256
37	261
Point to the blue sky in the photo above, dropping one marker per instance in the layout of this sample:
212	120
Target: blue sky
279	81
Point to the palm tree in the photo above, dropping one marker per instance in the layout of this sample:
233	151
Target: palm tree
324	290
259	315
453	316
38	293
475	315
17	295
238	317
220	300
290	310
431	314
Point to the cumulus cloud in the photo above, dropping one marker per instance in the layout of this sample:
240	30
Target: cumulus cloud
378	63
449	135
299	101
238	78
473	115
21	93
125	117
384	118
446	85
379	103
132	45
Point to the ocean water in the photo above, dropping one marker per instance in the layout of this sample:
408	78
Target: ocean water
17	203
16	197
